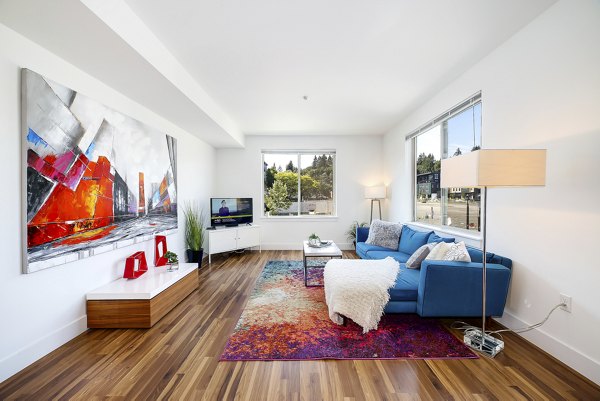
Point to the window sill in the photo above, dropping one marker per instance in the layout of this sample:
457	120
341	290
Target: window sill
447	230
299	218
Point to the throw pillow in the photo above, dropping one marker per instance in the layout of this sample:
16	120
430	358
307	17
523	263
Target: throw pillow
384	233
414	262
439	251
457	252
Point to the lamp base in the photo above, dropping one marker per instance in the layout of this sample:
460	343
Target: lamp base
491	345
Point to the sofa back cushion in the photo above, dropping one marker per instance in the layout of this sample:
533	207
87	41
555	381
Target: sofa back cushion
411	240
477	255
433	237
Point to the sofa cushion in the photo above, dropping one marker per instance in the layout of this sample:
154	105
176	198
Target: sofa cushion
364	248
406	286
399	256
411	240
384	233
362	233
436	238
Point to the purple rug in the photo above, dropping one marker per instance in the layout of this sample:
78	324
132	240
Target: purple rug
284	320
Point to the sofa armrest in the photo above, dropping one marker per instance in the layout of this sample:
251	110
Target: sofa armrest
362	233
454	288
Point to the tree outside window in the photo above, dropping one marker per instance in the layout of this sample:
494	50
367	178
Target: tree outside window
307	179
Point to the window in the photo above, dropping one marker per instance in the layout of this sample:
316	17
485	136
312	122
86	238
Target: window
456	132
299	183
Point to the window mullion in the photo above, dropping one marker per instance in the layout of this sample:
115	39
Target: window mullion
299	188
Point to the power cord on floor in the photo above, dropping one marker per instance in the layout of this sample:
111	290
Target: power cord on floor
467	328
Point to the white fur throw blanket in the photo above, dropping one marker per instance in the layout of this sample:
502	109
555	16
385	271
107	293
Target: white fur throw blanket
358	289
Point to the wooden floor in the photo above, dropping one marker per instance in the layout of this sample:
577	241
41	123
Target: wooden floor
177	359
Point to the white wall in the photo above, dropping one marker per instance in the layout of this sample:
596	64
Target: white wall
43	310
359	164
541	89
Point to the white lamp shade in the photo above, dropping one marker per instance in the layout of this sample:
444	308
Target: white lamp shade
377	192
495	168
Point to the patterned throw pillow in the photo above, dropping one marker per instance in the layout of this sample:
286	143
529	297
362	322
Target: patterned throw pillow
384	233
457	252
438	251
414	262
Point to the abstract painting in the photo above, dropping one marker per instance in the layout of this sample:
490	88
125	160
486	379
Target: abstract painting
95	179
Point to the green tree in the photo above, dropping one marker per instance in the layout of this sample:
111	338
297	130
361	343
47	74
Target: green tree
277	199
321	171
290	167
290	179
427	164
270	176
309	187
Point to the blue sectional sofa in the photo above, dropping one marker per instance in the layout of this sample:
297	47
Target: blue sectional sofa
440	288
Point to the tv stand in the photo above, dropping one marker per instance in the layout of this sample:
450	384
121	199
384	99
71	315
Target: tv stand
229	239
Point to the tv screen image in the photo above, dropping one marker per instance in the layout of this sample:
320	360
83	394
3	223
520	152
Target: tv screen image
230	211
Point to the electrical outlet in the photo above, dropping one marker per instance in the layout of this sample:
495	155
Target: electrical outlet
565	299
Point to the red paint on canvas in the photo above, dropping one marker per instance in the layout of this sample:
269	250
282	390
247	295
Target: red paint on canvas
86	236
67	212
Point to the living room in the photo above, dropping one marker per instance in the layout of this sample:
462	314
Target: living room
243	88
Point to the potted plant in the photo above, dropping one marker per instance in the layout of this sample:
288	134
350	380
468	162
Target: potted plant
172	261
194	232
351	233
314	240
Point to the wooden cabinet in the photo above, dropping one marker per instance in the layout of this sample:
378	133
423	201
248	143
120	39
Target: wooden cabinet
232	238
140	302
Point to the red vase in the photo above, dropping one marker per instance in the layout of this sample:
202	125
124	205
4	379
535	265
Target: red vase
160	248
135	265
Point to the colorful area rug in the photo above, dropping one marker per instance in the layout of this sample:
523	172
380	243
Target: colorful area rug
284	320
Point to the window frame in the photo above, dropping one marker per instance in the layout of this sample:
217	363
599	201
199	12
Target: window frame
470	102
299	153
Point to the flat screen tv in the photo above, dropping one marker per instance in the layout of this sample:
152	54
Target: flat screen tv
230	211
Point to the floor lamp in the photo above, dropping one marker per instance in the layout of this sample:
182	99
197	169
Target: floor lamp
375	194
492	168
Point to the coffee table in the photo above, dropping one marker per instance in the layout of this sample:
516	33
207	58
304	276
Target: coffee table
330	251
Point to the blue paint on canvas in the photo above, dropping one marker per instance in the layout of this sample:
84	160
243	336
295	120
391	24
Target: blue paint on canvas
34	138
90	150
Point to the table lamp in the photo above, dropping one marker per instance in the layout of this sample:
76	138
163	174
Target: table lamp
375	193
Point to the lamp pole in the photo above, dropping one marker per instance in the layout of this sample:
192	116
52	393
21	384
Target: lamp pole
484	278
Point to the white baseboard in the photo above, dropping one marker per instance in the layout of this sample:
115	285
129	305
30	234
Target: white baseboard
25	356
294	246
575	359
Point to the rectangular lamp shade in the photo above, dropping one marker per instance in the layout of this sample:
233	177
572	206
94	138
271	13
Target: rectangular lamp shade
377	192
495	168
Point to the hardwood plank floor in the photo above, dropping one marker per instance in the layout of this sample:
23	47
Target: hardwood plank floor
177	359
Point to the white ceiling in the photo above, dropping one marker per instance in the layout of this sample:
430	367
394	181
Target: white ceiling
72	31
219	69
363	64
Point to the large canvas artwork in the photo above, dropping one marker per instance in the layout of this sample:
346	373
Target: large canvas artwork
96	179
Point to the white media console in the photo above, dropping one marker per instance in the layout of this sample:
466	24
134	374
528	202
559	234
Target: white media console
225	239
